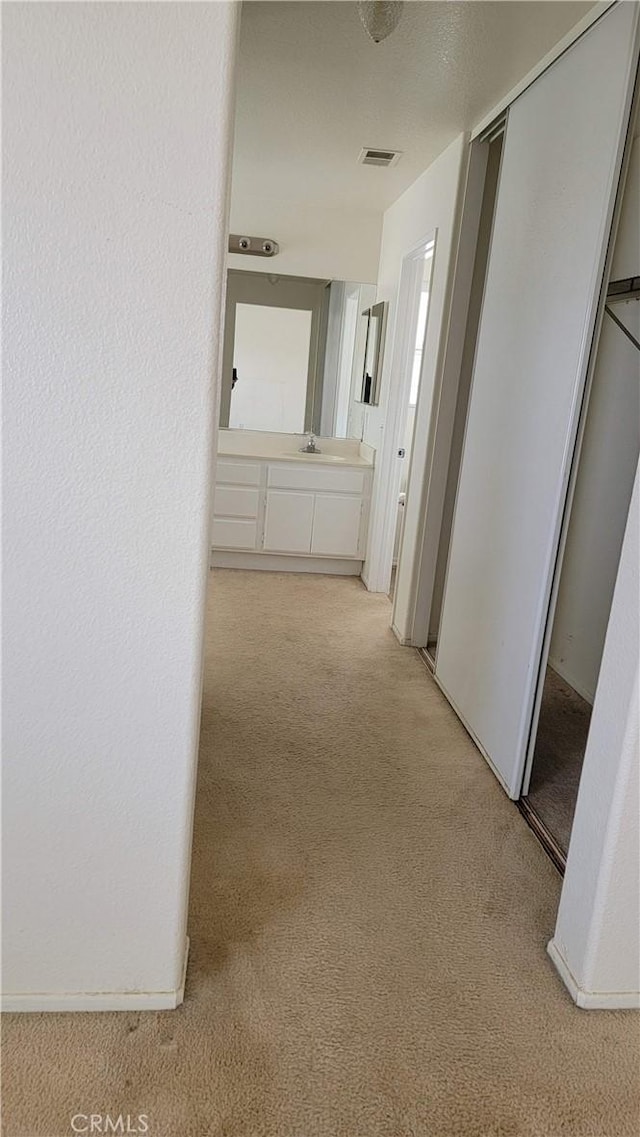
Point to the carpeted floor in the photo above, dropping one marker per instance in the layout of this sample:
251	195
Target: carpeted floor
557	762
369	916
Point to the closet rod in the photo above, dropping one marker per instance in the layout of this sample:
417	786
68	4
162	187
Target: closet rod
627	289
626	331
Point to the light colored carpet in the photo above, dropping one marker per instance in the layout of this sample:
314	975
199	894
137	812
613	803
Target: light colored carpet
369	917
557	761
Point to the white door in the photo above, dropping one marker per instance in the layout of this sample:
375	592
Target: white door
336	525
288	521
271	358
560	169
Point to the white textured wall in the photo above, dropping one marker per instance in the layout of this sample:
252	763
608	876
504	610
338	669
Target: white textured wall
116	123
334	244
597	936
606	472
428	207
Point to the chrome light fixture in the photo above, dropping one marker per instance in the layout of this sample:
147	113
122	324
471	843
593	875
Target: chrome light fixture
253	246
380	17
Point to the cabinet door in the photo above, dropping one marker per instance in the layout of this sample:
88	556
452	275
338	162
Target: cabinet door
237	473
235	501
288	521
336	525
233	533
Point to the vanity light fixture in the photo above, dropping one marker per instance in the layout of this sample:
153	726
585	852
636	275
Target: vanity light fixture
253	246
379	17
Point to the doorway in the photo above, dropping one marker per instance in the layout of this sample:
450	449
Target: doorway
586	576
419	268
407	360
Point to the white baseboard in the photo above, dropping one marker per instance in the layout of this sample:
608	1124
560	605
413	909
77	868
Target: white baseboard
404	640
274	562
591	1000
97	1000
560	670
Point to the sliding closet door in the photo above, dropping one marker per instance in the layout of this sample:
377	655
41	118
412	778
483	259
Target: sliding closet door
560	168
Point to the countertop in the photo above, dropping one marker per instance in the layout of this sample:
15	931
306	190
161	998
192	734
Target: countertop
273	447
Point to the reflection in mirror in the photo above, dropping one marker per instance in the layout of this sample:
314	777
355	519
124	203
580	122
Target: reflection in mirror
344	366
294	353
369	356
271	367
375	320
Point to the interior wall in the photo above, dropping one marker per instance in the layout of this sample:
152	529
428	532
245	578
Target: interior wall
337	244
428	207
605	476
116	146
596	945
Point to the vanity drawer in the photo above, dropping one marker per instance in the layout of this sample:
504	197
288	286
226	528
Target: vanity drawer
238	473
231	534
316	478
235	501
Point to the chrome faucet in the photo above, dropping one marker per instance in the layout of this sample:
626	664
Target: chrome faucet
310	446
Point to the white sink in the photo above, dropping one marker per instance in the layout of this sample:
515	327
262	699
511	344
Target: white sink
305	455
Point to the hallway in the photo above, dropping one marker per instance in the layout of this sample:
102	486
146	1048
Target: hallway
369	916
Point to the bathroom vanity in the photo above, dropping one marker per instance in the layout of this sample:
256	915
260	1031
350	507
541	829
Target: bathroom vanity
278	508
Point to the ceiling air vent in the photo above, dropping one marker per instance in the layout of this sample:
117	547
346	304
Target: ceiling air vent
371	157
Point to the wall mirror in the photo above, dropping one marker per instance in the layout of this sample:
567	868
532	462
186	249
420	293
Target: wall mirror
296	353
375	318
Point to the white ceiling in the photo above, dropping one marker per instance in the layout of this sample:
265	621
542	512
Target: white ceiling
314	89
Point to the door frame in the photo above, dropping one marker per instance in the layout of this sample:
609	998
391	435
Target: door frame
388	468
445	397
278	291
443	419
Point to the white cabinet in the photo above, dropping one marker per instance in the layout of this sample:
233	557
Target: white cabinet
317	478
288	522
233	533
291	509
336	525
237	505
236	501
238	473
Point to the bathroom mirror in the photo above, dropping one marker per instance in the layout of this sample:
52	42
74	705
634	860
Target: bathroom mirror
296	350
